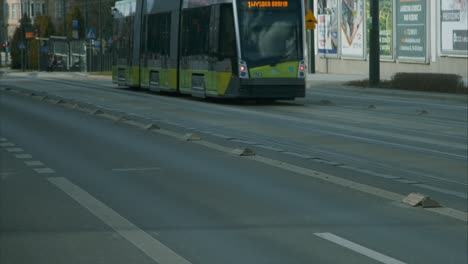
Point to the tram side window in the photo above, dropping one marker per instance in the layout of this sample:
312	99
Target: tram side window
159	28
196	23
227	36
125	37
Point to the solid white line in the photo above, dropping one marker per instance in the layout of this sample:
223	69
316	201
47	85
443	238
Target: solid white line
7	144
359	249
136	169
142	240
23	156
44	170
34	163
16	150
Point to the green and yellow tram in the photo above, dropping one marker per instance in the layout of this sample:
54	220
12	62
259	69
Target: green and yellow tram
211	48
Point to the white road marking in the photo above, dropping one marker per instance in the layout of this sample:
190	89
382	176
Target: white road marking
6	144
359	249
3	139
152	247
34	163
136	169
44	170
23	156
15	150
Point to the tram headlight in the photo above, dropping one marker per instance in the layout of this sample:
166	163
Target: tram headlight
243	70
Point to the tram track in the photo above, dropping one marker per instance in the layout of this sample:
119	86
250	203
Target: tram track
288	146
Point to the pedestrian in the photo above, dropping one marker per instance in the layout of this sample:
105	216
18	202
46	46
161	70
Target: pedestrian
52	63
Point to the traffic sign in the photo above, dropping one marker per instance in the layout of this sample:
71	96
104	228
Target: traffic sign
109	42
21	45
311	21
91	33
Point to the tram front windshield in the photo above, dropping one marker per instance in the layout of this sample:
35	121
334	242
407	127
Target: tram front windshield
270	31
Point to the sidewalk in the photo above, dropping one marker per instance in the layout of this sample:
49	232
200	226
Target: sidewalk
339	81
330	78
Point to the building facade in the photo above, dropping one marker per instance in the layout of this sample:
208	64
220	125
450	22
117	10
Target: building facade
14	10
415	36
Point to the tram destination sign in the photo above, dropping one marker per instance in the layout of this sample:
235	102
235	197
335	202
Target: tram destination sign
268	4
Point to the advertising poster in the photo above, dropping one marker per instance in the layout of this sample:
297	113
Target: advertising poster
411	29
454	26
386	28
352	28
327	26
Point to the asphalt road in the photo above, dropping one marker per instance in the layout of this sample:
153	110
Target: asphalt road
78	188
403	141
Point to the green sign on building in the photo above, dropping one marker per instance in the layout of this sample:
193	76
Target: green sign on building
411	29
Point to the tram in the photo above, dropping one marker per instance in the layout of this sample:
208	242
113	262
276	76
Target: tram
211	48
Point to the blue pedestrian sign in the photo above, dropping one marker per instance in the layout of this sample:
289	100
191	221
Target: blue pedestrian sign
91	33
21	45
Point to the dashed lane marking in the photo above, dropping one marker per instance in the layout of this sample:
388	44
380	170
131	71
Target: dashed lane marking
359	249
44	170
152	247
23	156
3	139
33	163
6	144
15	150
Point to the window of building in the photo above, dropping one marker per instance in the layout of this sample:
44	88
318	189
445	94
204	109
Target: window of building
25	10
58	9
14	11
37	10
6	12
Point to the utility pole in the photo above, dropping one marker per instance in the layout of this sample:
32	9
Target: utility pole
374	45
311	37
